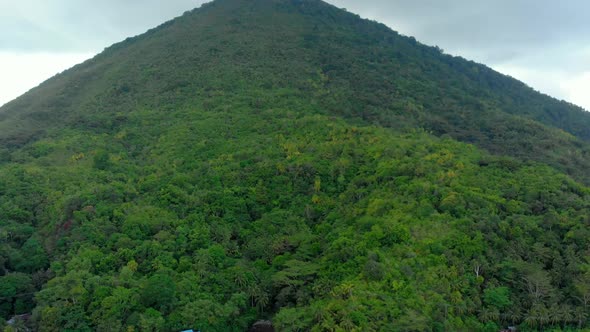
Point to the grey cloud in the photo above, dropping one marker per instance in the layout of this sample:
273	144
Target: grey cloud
17	34
80	26
545	43
489	31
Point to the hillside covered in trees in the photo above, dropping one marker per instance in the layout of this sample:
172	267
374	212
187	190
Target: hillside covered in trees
287	160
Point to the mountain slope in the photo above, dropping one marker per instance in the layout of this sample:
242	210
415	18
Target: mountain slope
345	65
222	222
276	159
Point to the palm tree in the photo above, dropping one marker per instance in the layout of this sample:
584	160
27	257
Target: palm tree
262	300
555	315
515	316
581	316
489	314
531	319
567	315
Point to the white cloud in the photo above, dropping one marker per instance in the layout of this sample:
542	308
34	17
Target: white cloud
573	87
570	81
578	89
544	80
21	72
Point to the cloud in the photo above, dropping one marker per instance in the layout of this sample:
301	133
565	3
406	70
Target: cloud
577	87
502	26
80	25
21	71
541	42
39	39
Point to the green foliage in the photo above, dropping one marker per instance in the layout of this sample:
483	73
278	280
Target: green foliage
264	227
158	292
497	297
236	165
151	320
101	160
16	293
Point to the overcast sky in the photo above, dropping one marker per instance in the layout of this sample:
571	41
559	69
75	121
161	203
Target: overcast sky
545	43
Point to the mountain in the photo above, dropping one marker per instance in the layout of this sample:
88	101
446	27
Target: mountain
287	160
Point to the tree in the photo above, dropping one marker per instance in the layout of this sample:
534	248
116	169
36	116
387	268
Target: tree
158	292
497	297
582	288
102	160
151	321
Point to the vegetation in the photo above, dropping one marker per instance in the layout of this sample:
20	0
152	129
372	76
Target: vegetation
288	160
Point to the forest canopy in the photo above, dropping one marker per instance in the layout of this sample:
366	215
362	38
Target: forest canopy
287	160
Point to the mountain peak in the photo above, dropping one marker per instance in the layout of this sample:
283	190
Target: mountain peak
314	48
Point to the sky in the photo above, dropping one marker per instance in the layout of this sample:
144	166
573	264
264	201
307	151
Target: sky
545	43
